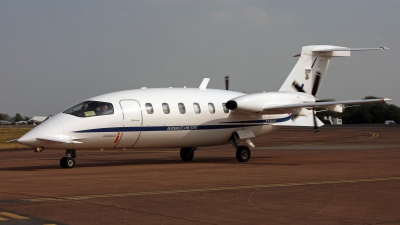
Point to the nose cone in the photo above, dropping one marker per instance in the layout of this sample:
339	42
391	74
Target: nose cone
29	139
48	127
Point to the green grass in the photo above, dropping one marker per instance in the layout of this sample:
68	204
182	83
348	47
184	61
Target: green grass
11	133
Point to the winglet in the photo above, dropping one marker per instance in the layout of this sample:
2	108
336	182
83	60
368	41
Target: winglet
204	83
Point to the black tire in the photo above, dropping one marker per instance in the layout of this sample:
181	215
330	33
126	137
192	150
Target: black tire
187	154
67	162
63	164
243	154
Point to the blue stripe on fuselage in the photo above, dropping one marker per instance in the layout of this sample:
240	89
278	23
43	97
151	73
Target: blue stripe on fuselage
238	124
267	121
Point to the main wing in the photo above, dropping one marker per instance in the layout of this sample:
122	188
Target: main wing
333	106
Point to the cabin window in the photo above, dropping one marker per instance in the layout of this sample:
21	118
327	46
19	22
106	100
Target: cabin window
211	108
182	108
196	107
165	108
149	108
225	109
91	108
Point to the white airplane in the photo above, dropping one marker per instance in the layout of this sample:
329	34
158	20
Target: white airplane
37	119
188	118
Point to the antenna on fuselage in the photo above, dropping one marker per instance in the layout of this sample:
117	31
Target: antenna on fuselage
226	82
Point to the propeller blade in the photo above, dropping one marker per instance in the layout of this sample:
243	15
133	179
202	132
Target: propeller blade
297	87
226	82
316	83
315	121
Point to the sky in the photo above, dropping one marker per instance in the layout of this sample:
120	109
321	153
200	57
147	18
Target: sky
56	54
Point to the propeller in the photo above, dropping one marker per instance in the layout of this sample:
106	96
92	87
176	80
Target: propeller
298	87
314	91
316	83
315	87
315	120
226	82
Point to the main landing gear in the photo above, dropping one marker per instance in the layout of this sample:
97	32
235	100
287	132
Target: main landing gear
242	152
68	161
187	154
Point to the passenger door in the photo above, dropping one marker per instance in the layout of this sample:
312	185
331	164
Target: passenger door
132	122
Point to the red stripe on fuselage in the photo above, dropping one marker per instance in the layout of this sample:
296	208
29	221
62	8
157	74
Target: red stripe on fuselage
116	139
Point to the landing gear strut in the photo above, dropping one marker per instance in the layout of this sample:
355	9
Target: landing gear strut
242	152
187	154
68	161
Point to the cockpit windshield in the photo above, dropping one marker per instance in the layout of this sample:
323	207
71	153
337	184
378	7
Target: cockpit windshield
91	108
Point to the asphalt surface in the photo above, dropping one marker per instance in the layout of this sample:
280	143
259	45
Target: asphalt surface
340	175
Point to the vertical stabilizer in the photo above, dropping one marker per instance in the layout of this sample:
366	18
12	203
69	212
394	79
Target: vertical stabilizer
310	69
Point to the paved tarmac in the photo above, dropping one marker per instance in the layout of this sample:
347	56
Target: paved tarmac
340	175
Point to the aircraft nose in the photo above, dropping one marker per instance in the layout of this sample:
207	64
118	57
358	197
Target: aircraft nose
48	127
28	139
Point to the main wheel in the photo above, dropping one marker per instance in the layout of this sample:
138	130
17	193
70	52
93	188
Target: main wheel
243	154
67	162
187	154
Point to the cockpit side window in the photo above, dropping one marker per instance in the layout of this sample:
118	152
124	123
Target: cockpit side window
91	108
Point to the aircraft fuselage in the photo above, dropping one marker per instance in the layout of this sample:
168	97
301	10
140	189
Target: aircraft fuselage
179	117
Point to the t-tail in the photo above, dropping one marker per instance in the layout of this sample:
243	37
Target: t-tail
307	74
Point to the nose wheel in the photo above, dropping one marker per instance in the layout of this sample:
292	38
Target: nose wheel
68	161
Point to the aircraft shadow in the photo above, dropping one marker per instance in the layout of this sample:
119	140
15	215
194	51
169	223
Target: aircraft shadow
87	163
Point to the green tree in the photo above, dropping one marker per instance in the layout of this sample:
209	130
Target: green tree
4	116
18	117
366	113
371	113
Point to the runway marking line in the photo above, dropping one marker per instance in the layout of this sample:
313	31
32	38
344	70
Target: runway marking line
194	190
12	215
373	135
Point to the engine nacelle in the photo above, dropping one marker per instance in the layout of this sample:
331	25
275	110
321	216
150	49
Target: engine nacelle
257	102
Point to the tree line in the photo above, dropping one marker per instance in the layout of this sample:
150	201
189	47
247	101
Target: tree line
16	118
366	113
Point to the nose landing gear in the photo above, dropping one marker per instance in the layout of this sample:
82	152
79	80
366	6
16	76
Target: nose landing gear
68	161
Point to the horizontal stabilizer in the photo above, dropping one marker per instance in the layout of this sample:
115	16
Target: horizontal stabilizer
348	49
